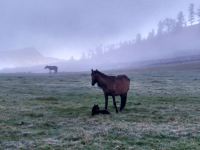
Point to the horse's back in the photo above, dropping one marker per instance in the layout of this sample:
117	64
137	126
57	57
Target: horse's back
123	77
122	84
54	68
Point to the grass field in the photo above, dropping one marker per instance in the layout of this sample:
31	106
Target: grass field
39	111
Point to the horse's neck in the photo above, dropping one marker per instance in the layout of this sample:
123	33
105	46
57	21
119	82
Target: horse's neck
102	82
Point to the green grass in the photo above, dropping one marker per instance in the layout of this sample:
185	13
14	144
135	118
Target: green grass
38	111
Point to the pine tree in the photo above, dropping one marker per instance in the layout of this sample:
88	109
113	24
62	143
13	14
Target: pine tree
160	28
198	14
191	14
180	20
138	38
83	56
169	24
151	34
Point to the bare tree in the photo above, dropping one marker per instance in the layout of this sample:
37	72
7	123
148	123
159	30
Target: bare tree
191	14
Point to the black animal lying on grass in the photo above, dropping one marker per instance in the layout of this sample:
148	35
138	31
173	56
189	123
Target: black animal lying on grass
96	110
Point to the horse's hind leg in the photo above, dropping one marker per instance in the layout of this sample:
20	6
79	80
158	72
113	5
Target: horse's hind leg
123	101
114	102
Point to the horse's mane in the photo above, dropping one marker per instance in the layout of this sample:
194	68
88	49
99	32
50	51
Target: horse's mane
119	76
102	74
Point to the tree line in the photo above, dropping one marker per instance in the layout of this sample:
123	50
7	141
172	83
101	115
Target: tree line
169	25
165	26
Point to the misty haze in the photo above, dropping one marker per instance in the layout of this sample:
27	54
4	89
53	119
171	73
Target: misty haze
100	74
119	34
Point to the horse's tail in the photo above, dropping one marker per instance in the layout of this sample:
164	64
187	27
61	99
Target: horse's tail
123	101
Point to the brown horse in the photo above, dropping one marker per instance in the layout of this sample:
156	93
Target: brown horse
112	86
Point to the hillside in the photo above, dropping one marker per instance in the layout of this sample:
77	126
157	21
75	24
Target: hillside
178	48
177	43
24	57
180	63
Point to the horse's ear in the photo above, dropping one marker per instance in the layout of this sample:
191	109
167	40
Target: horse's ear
92	71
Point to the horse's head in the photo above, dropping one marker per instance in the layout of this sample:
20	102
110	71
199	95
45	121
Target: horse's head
46	67
94	77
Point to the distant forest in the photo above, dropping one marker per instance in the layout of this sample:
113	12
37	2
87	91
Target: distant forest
173	37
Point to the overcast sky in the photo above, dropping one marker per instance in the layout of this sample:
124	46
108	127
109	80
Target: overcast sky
61	28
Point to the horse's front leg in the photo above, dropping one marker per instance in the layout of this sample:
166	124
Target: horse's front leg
114	102
106	101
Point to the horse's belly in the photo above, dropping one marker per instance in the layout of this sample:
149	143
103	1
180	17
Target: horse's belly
121	89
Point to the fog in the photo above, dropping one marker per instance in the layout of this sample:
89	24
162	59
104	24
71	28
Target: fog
80	34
